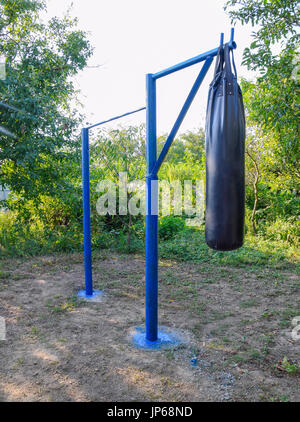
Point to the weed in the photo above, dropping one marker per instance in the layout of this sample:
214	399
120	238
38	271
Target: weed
289	367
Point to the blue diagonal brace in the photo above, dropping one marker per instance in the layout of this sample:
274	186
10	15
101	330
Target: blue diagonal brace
181	116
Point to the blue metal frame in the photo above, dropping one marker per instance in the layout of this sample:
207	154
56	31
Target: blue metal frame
152	334
89	292
86	213
151	337
181	115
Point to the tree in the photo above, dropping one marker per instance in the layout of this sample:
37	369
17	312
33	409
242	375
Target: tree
194	146
35	97
175	153
255	158
188	146
124	150
121	151
271	101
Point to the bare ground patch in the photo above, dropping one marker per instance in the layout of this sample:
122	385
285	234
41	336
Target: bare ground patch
62	349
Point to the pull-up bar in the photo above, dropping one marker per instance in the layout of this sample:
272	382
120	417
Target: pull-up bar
181	116
196	59
116	118
150	337
208	57
89	292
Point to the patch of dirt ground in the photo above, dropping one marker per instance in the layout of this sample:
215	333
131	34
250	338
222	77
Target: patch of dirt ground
59	348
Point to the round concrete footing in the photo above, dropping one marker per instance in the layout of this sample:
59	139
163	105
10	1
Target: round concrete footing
95	297
167	339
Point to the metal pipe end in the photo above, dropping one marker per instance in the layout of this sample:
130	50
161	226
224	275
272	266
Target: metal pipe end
222	39
232	45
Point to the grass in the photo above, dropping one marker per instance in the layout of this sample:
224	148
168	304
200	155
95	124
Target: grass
288	314
238	330
248	303
61	306
184	244
189	245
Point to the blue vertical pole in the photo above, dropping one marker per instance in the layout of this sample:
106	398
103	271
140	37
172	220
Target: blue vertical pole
86	213
151	220
222	39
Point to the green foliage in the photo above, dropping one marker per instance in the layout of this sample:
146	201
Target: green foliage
40	148
33	237
194	146
281	229
120	150
272	100
189	245
112	152
54	223
41	59
169	226
290	368
277	20
188	147
272	109
124	150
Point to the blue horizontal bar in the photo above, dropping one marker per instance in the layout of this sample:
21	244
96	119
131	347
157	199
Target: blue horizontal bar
187	63
192	61
117	117
181	116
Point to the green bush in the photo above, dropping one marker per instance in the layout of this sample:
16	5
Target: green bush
169	226
189	245
282	229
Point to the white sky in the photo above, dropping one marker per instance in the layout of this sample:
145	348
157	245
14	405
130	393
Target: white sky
135	37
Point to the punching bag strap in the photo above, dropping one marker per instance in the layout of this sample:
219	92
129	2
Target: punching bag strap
219	61
227	68
233	64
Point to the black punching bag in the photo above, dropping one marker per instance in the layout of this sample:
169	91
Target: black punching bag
225	158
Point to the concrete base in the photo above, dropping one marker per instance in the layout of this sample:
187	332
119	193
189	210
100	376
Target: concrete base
95	297
167	339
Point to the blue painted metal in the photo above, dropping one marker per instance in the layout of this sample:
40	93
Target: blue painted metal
186	63
151	337
86	213
117	117
96	293
181	115
151	231
194	361
231	35
193	60
232	43
89	293
222	39
166	339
